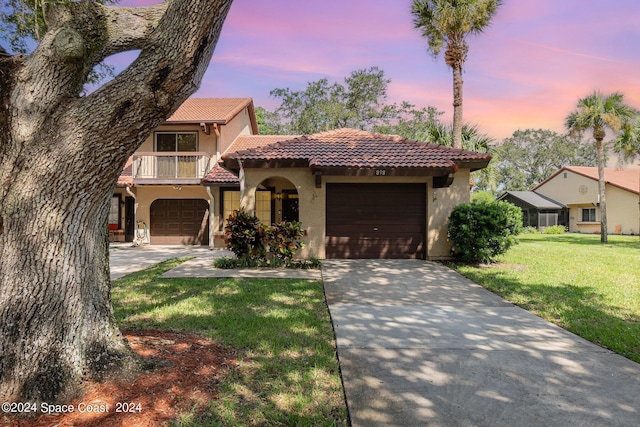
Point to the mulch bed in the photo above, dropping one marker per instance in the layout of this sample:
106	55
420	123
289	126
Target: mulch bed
188	371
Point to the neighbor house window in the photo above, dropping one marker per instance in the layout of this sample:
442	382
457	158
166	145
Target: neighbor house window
231	203
589	215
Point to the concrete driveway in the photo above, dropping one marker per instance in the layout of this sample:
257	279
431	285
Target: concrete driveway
419	345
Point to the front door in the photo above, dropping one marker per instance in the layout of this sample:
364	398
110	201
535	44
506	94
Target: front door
129	218
290	206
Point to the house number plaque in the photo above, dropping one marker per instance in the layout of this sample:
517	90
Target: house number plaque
381	172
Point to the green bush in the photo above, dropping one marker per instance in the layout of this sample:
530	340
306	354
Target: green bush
530	230
284	239
248	239
481	231
225	262
555	229
244	235
230	263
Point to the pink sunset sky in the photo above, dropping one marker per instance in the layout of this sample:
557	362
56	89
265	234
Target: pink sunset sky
527	70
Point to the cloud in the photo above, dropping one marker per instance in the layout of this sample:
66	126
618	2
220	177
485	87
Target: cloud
527	70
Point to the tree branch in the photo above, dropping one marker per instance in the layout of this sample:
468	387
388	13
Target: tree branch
168	70
115	28
80	35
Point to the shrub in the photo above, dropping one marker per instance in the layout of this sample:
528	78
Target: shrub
284	239
530	230
555	229
244	235
225	262
230	263
482	231
248	239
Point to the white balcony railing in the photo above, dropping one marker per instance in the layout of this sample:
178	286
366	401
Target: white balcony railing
170	167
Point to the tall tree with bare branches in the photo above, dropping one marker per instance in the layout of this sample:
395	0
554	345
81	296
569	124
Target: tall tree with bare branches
60	157
448	23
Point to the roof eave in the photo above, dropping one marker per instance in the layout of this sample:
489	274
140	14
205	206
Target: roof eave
474	164
382	171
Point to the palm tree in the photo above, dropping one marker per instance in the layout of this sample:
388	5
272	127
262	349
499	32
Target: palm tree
599	113
471	136
628	145
448	22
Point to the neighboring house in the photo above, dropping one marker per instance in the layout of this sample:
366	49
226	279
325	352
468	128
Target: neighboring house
537	210
357	194
576	187
161	185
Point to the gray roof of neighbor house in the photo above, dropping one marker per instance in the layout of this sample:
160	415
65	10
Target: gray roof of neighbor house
347	151
534	199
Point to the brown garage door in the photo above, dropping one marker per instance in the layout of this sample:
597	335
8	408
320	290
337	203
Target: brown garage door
376	221
179	222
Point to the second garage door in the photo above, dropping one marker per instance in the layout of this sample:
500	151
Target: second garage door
376	221
180	222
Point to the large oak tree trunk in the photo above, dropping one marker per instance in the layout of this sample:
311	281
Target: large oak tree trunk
60	157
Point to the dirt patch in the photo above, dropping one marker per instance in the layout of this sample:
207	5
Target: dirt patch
188	369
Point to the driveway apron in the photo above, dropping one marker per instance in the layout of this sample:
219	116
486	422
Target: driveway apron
420	345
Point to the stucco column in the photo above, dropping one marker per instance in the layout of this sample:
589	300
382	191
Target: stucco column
248	200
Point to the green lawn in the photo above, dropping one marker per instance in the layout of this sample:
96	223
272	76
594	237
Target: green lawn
288	371
590	289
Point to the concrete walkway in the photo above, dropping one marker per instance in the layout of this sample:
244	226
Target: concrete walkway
419	345
203	267
125	259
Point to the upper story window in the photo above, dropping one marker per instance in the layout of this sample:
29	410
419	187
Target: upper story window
176	141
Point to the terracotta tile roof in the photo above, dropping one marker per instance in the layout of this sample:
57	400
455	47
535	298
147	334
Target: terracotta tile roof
351	148
219	110
220	175
627	179
126	177
247	142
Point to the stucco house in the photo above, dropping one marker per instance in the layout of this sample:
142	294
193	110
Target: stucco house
576	187
357	194
160	188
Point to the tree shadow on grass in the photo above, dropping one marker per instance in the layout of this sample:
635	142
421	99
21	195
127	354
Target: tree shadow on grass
288	370
578	309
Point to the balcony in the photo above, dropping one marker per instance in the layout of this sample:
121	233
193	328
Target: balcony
170	167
